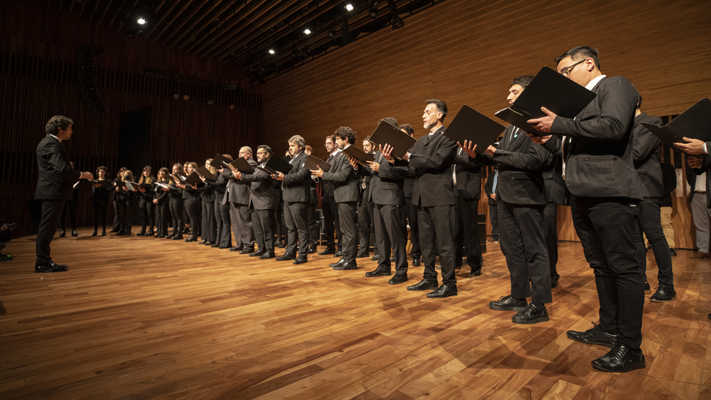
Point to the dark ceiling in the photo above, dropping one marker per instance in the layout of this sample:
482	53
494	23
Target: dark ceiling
244	33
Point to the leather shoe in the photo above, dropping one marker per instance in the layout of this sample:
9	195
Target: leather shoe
491	240
424	285
398	279
594	335
443	291
204	241
301	259
620	359
141	233
647	288
74	233
94	234
416	262
375	257
362	255
62	233
235	248
531	315
247	250
672	252
215	245
508	303
312	250
476	271
256	253
327	250
346	265
341	261
266	255
178	237
286	257
663	294
338	253
554	283
51	267
380	271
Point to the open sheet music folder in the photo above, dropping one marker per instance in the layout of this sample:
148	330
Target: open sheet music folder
694	123
359	154
276	163
400	141
312	163
475	127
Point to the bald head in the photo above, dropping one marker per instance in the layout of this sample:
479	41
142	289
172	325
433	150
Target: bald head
245	152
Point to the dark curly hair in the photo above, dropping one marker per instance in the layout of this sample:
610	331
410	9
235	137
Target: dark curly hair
56	122
345	132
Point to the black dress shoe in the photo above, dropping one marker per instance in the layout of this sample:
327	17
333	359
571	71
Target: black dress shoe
663	294
202	241
191	238
594	335
257	253
672	252
247	250
62	233
380	271
377	258
362	255
647	288
301	259
214	245
286	257
398	279
508	303
476	271
235	248
338	253
178	237
160	237
416	262
74	233
554	283
424	285
531	315
341	261
208	243
346	266
150	233
103	233
94	234
281	245
266	255
48	268
141	233
620	359
312	250
327	250
443	291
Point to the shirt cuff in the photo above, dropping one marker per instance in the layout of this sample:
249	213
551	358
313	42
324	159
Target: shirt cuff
705	149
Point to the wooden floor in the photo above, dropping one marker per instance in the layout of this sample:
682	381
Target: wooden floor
145	318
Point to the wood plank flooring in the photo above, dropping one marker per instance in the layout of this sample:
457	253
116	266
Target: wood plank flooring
144	318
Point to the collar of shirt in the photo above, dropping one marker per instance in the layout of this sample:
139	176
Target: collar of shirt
432	133
294	157
591	85
55	138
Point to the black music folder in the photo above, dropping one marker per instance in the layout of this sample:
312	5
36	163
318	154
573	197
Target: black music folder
359	155
693	123
277	164
312	163
551	90
242	165
475	127
400	141
194	179
104	184
181	177
218	161
206	173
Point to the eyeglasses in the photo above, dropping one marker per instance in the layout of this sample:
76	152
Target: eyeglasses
566	70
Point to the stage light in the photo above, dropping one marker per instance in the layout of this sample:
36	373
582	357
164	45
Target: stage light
141	21
349	7
307	31
374	12
271	51
395	21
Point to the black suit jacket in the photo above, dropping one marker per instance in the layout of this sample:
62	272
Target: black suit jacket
489	189
468	176
431	158
296	185
386	185
239	191
264	192
556	191
599	158
344	179
328	185
691	178
521	165
647	154
56	175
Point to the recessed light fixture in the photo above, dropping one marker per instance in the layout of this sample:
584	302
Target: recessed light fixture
271	51
349	7
307	31
141	21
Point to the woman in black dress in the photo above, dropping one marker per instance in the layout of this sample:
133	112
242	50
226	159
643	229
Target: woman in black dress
160	201
145	202
175	195
100	199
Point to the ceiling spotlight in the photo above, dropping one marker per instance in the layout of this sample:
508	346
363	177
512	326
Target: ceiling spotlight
332	34
349	7
141	21
374	12
307	31
271	51
395	19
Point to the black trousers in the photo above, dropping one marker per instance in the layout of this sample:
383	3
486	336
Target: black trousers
71	206
163	218
494	218
365	224
524	248
330	220
550	231
116	225
466	226
312	221
147	213
296	228
650	222
125	215
607	228
391	232
241	225
415	250
349	231
176	211
262	222
51	211
222	216
191	206
209	225
436	223
99	214
279	226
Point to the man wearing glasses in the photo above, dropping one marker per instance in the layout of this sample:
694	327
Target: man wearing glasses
599	172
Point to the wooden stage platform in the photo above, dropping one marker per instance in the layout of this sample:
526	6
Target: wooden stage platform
144	318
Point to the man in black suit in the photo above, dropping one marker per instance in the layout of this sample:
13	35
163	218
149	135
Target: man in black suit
492	199
431	158
647	155
329	206
345	191
605	193
296	189
556	194
408	188
238	194
54	187
365	207
261	201
523	197
222	207
466	175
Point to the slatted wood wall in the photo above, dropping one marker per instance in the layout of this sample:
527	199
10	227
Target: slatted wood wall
468	51
37	81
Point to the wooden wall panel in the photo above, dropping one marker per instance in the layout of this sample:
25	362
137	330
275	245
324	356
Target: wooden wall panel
467	52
